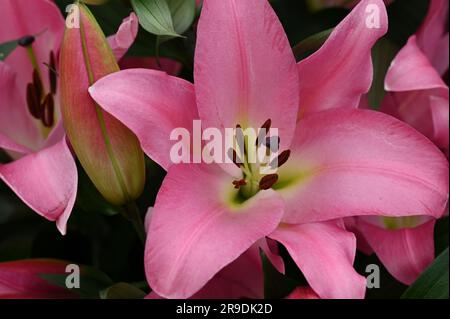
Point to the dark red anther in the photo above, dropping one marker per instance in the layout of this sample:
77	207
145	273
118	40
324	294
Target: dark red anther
281	159
52	73
26	41
273	143
234	157
263	131
38	84
48	107
268	181
239	183
32	101
240	139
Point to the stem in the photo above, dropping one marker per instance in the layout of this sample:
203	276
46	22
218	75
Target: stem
131	212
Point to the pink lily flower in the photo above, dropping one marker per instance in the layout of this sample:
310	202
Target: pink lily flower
420	97
21	280
43	173
417	93
343	161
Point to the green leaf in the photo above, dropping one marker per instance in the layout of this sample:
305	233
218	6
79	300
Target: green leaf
383	53
92	282
154	16
6	48
433	283
183	14
122	290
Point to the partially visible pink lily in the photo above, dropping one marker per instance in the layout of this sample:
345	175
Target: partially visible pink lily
417	93
43	173
22	279
420	97
343	161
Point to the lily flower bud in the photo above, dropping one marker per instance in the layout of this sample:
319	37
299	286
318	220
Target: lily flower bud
108	151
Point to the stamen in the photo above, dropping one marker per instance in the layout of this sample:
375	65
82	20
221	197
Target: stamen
52	73
239	183
240	139
268	181
271	144
38	84
264	130
32	101
267	124
281	159
48	107
26	41
234	157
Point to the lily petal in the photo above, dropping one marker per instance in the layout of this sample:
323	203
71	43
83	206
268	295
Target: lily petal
331	70
209	227
418	95
351	162
411	70
405	252
125	36
46	181
250	75
433	35
156	104
325	253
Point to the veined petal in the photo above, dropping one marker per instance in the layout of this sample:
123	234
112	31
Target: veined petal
31	17
325	253
340	72
22	279
248	76
151	104
46	181
405	252
358	162
125	36
197	228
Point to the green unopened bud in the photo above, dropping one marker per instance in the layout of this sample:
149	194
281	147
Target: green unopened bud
108	151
